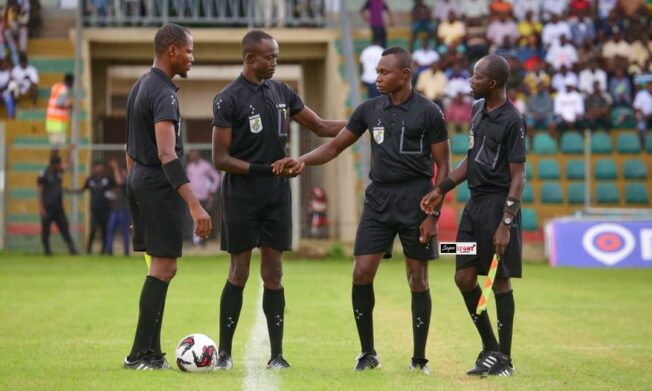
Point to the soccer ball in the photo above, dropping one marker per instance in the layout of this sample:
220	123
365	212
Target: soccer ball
196	353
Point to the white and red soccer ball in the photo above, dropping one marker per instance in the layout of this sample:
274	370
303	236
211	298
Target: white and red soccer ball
196	353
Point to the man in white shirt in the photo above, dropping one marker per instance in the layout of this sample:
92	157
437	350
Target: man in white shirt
569	108
368	61
564	78
553	7
474	8
553	30
521	7
643	108
562	54
424	57
24	79
590	75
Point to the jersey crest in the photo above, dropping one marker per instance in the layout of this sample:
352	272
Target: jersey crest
471	139
255	123
379	134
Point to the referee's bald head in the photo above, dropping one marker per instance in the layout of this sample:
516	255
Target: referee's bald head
169	34
497	69
252	39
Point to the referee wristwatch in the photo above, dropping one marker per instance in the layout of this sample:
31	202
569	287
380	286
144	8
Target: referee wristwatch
508	221
436	213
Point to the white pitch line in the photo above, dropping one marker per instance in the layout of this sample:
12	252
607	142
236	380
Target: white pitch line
257	354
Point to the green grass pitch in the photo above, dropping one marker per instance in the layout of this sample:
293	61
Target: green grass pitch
66	324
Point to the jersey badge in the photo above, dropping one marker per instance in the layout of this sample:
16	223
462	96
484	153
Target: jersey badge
471	139
255	123
379	134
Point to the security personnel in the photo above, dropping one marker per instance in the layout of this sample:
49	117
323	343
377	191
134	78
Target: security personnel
50	202
157	187
251	119
57	116
495	170
409	136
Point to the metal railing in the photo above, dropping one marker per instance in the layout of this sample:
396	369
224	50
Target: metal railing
205	13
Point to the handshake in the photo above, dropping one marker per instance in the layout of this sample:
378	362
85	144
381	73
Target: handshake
288	167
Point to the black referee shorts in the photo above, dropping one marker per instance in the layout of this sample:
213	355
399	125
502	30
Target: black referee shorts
157	211
479	222
256	212
394	209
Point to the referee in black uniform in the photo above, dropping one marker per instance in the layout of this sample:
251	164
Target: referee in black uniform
408	136
250	130
495	170
157	187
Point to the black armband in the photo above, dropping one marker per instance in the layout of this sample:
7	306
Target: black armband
257	169
175	173
512	205
446	185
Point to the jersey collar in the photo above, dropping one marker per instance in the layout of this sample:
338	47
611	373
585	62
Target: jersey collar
165	77
495	113
252	86
405	105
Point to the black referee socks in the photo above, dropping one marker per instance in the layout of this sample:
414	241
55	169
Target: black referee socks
421	308
150	317
362	297
481	321
505	312
230	306
274	309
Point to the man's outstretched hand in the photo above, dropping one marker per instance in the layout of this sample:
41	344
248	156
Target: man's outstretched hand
288	167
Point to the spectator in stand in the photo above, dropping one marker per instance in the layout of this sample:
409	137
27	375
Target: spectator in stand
516	99
57	117
598	109
507	49
605	7
615	47
640	53
443	9
563	79
540	109
7	42
643	109
610	26
421	22
373	12
451	33
500	8
458	112
471	9
25	78
569	108
501	27
589	52
432	82
119	217
528	27
270	6
458	81
562	54
553	7
521	8
537	76
7	96
17	20
579	7
622	114
532	54
590	75
517	73
368	61
204	182
477	45
620	87
582	28
424	57
553	30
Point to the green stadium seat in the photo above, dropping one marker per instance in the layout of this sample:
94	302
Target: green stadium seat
529	219
634	169
601	143
607	193
460	144
463	193
551	193
544	144
628	142
528	193
648	143
548	169
572	142
636	193
575	169
528	170
605	169
576	193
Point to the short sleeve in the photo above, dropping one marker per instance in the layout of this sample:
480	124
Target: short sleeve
164	106
223	111
357	124
435	125
294	100
516	141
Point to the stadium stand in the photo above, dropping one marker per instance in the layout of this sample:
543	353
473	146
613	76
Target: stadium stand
572	142
606	169
575	169
601	143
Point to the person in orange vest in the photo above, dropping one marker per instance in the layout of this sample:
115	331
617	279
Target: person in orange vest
57	118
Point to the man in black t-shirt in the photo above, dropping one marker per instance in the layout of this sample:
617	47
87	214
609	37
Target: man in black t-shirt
157	186
50	202
100	185
495	171
408	136
251	122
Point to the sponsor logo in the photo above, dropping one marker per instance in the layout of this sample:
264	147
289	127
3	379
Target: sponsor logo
608	243
458	248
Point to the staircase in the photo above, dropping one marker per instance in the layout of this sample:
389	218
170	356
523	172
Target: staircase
28	150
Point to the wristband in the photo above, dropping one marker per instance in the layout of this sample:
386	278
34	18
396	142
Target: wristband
256	169
175	173
446	185
512	205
